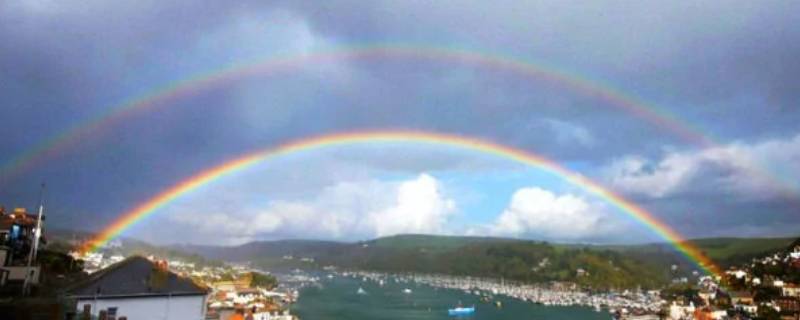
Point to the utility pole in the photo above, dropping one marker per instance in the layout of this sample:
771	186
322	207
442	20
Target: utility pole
38	224
35	246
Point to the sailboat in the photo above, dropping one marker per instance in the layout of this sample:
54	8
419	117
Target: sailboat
361	291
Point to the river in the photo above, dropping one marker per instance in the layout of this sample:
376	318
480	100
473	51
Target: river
337	299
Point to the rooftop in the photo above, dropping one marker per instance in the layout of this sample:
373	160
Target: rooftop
135	277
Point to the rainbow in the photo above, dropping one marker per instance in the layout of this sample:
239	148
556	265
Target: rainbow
208	176
659	117
63	141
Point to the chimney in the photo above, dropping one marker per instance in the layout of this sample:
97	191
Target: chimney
87	312
159	276
163	265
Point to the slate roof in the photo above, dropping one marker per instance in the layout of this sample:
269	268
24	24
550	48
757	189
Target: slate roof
135	277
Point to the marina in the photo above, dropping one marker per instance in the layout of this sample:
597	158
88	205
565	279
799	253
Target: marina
338	298
552	294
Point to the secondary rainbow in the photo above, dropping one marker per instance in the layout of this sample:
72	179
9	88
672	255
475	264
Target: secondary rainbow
205	177
162	96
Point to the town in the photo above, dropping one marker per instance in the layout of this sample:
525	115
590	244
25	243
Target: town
37	282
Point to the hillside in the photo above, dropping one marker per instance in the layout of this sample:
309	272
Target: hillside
513	259
725	252
732	251
526	261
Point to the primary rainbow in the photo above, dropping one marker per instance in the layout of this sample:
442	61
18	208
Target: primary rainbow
205	177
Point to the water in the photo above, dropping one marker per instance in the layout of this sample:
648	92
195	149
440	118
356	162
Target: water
338	299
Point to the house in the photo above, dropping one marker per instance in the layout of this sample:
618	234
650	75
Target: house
788	305
747	308
791	290
677	311
741	297
17	239
241	282
738	274
708	313
707	295
138	288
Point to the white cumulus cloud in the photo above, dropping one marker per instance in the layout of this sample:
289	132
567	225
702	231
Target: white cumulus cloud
538	212
346	210
419	207
756	170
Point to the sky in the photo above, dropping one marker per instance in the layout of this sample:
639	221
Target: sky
689	110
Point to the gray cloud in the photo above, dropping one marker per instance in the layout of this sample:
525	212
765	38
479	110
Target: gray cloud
728	69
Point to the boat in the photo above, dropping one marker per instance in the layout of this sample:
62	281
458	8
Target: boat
361	291
407	291
461	311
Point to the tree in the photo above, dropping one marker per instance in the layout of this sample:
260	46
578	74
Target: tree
266	281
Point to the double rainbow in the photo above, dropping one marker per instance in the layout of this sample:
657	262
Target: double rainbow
208	176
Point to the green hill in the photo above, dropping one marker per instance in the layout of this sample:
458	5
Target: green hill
514	260
725	252
729	251
604	266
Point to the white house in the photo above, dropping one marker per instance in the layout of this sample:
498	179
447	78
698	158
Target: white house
138	288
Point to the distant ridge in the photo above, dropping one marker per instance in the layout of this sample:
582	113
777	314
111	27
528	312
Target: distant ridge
265	249
726	251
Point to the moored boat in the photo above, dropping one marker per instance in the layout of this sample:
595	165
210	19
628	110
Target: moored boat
461	311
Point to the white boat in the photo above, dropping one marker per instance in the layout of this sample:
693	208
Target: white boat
361	291
461	311
407	291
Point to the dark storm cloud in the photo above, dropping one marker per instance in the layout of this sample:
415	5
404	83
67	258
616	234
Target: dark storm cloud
729	69
705	61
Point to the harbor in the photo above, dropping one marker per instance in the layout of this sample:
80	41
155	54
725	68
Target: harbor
495	291
338	297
